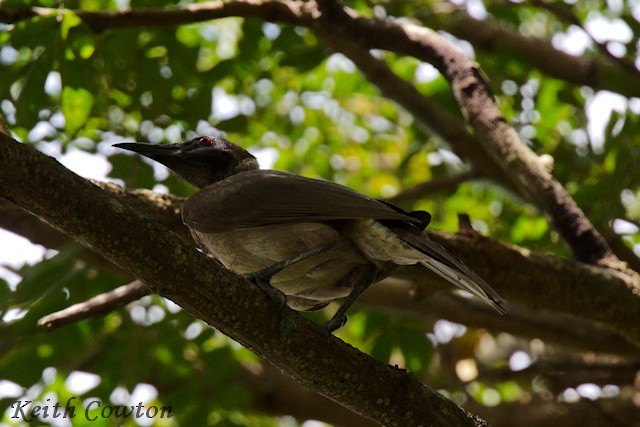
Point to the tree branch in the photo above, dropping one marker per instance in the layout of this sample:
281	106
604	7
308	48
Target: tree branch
546	283
289	12
534	281
594	71
536	412
562	374
622	251
342	26
571	18
486	34
224	300
431	186
429	113
97	306
524	170
562	329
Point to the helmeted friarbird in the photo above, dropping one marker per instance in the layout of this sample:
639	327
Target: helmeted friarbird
314	241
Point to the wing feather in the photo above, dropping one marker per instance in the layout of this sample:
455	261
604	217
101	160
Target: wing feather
261	197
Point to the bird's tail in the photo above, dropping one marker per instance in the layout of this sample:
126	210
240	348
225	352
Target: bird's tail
475	286
446	265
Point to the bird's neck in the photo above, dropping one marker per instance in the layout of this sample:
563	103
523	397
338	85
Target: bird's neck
247	164
244	165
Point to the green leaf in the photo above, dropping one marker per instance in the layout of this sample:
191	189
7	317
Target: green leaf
135	172
529	229
32	97
237	124
69	20
5	293
76	106
305	58
37	279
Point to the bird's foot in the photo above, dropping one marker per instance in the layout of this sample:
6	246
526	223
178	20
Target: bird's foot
359	280
275	293
336	322
262	278
266	274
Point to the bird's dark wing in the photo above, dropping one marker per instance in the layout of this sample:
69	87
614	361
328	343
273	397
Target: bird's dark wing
446	265
261	197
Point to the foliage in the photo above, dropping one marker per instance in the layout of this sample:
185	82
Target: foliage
275	87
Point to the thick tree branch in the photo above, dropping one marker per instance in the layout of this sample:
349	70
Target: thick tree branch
547	283
501	142
289	12
486	34
237	308
521	321
164	209
532	280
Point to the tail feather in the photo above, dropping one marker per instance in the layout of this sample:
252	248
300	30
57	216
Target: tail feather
479	289
447	266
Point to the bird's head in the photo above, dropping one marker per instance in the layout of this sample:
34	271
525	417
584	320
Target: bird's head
200	161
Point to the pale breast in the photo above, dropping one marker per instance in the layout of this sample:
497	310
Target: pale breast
251	249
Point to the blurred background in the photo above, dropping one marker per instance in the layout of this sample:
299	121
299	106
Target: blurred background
71	91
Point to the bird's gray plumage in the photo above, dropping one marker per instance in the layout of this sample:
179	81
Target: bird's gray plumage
261	197
251	220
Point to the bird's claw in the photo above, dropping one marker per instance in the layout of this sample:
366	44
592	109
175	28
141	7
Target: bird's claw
336	322
278	296
274	293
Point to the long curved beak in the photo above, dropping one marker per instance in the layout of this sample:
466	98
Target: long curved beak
153	151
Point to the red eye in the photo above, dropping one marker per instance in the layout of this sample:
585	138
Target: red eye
205	140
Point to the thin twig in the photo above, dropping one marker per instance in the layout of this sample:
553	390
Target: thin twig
95	307
572	18
428	187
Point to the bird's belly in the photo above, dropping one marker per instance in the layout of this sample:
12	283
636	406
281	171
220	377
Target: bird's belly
315	278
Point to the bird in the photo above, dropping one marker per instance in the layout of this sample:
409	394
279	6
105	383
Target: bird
306	242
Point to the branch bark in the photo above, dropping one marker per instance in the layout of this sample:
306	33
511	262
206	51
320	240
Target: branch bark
224	300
